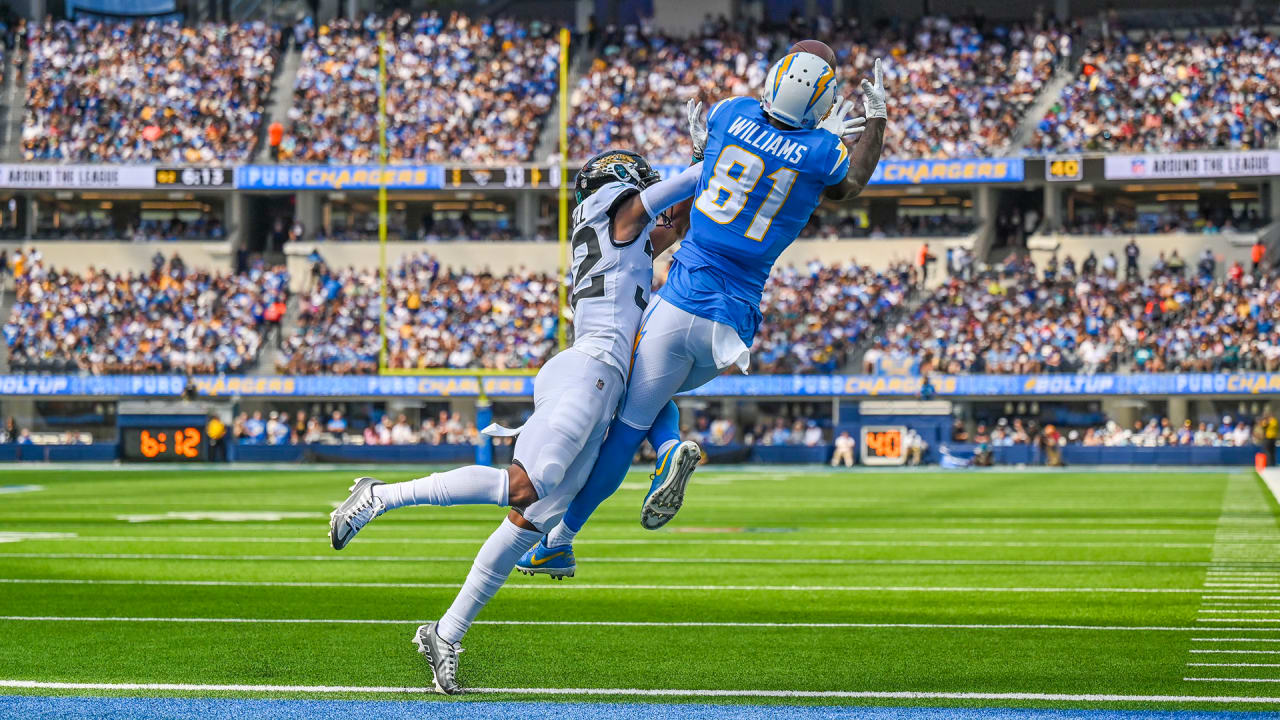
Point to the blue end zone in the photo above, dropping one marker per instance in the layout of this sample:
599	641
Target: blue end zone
72	708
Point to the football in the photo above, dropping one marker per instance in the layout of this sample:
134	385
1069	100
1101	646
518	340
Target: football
816	47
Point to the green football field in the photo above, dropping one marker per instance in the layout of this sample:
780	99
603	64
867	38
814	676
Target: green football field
1078	589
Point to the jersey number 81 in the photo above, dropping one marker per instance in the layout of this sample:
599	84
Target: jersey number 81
733	177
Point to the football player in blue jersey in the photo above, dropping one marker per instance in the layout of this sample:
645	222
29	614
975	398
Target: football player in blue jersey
769	163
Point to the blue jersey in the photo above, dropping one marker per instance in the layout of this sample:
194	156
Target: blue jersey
759	186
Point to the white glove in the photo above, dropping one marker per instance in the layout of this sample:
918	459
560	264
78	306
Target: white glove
873	95
697	128
836	123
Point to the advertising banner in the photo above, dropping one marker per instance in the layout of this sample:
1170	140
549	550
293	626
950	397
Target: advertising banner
463	385
1191	165
943	172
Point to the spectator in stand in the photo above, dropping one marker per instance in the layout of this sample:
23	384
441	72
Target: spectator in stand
813	435
337	425
255	430
146	92
843	454
459	89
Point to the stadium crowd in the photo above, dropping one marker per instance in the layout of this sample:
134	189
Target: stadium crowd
1095	318
91	226
1155	431
815	315
437	318
145	92
458	89
1118	221
169	318
961	90
833	226
277	427
1154	92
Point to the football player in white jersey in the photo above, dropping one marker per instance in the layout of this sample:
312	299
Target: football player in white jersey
576	393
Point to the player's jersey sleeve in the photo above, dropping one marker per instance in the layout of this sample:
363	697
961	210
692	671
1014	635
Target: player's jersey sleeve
711	114
837	165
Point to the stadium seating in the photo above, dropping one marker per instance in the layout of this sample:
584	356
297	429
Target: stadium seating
437	318
1159	92
146	92
1015	320
170	318
815	315
960	92
459	89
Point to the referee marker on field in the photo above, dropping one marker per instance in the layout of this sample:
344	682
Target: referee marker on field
630	623
649	692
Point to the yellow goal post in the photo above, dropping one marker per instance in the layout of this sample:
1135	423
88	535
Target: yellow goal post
384	367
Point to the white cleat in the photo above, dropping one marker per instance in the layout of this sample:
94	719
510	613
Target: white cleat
666	494
355	512
441	656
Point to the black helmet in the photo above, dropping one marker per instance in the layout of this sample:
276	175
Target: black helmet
613	166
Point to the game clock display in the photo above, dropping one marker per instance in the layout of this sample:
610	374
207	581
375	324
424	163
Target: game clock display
882	445
165	444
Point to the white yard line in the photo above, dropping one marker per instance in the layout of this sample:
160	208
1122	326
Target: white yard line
1208	639
690	540
1237	652
628	560
1196	664
1232	680
622	623
600	586
650	692
1237	612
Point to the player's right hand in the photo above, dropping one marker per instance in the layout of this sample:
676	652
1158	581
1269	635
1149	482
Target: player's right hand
838	123
697	128
873	96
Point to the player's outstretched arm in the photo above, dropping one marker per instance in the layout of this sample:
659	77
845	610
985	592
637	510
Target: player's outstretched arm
866	154
664	237
637	211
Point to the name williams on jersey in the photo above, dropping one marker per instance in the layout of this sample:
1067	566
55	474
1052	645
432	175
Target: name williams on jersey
768	140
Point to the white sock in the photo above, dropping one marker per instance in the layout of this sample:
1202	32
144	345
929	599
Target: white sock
494	562
470	485
665	447
560	535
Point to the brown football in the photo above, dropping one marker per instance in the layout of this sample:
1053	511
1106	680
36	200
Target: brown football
815	47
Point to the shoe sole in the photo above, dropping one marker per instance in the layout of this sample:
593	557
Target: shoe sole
554	573
425	651
334	541
667	500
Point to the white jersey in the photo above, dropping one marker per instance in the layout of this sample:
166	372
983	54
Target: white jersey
611	282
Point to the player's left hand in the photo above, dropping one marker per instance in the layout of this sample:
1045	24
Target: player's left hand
697	128
838	123
873	95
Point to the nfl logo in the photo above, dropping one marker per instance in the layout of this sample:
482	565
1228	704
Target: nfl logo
1138	166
